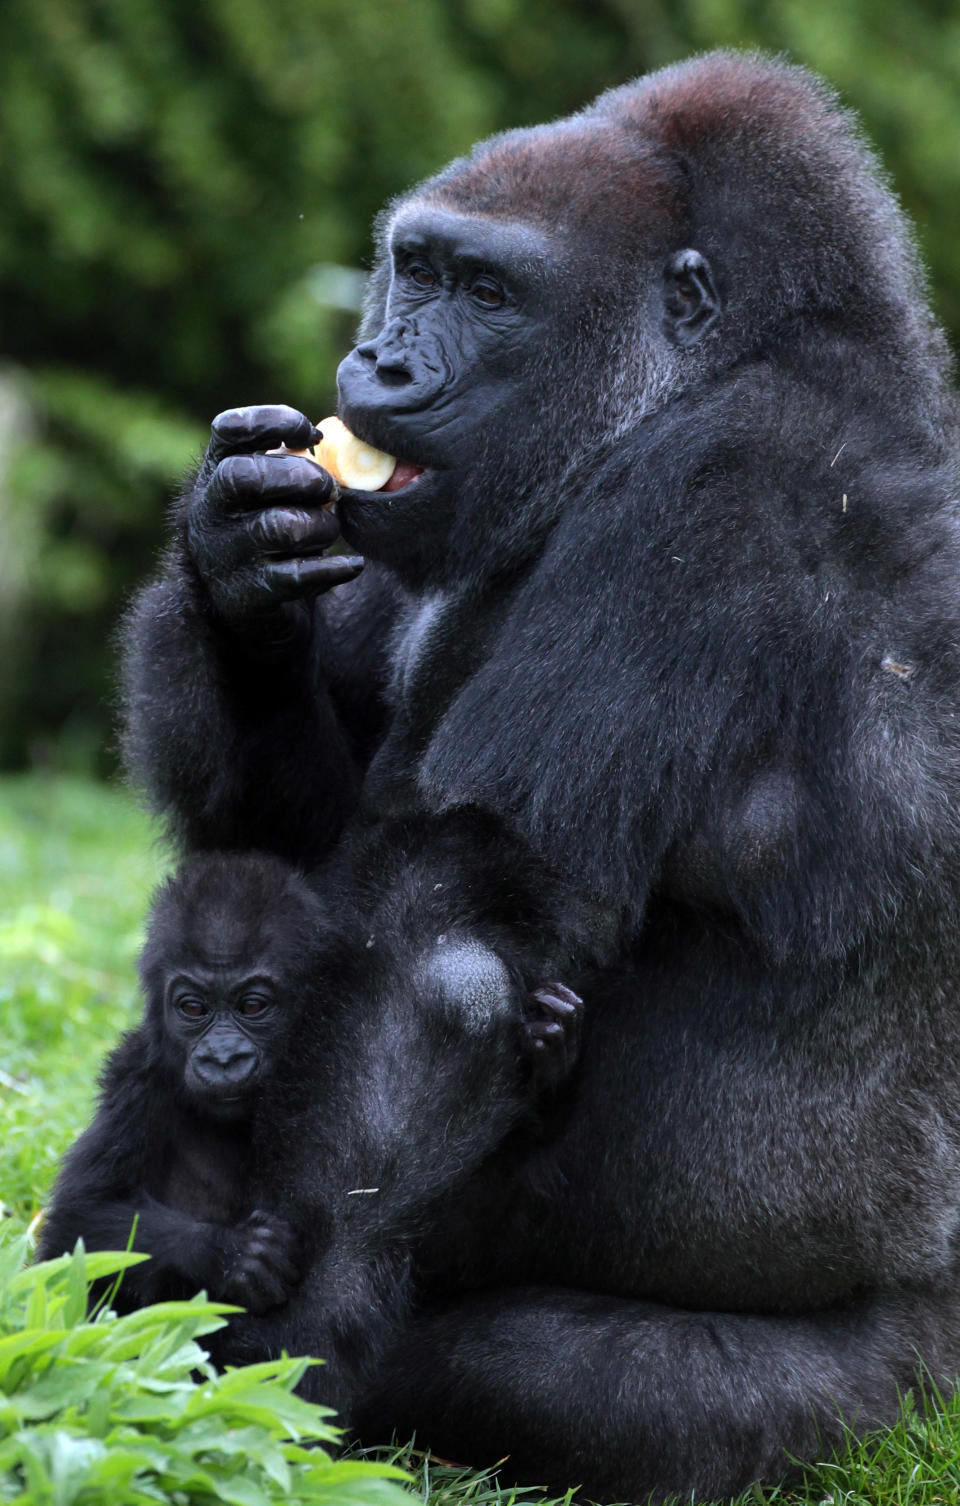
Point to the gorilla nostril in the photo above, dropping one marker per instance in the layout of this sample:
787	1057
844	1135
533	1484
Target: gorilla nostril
239	1067
393	376
234	1069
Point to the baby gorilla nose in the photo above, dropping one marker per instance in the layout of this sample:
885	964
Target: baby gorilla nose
224	1062
236	1069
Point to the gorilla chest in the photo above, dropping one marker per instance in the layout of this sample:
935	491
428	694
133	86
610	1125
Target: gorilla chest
418	641
206	1173
437	645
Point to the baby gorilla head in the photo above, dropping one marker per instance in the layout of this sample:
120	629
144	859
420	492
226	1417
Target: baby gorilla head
225	974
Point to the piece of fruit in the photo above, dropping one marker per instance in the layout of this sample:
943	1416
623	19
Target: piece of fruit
348	459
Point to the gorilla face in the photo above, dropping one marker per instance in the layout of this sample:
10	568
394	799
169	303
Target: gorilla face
469	303
449	383
490	372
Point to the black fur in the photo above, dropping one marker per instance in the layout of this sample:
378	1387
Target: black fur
676	601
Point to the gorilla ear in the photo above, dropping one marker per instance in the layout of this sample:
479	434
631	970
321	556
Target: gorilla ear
690	298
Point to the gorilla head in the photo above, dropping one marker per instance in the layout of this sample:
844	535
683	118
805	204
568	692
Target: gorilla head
227	976
537	299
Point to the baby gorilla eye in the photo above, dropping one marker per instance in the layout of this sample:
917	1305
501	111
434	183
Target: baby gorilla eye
194	1009
253	1004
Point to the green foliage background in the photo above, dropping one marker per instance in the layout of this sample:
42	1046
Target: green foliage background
178	177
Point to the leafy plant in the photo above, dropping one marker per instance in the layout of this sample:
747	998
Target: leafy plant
119	1411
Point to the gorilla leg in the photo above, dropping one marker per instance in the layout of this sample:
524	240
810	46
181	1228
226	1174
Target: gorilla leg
633	1400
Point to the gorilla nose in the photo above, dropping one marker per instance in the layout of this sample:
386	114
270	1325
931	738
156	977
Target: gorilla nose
231	1068
403	367
390	361
393	374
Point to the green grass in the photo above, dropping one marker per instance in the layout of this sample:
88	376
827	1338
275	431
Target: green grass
77	864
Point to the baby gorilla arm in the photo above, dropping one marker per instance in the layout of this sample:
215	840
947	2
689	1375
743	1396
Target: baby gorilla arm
253	1263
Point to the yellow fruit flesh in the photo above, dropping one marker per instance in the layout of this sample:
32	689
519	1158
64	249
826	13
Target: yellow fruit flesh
348	459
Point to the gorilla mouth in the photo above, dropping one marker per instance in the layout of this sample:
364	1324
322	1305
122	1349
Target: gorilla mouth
402	475
355	463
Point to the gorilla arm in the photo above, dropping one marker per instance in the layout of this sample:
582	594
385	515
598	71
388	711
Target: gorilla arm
250	710
102	1196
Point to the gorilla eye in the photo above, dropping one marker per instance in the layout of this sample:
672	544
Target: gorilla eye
421	275
193	1009
489	294
253	1004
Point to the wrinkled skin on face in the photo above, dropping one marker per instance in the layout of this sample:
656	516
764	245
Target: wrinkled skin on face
478	319
485	369
446	381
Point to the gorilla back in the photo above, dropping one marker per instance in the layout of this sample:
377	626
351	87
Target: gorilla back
671	592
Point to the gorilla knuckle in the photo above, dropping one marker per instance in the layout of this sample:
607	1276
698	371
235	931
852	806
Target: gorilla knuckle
237	427
236	480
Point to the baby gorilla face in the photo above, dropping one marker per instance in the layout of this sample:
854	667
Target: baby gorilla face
224	1025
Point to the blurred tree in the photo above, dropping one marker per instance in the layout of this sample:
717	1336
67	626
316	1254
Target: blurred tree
187	185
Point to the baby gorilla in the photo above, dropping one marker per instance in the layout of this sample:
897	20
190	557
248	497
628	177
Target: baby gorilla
227	980
290	1060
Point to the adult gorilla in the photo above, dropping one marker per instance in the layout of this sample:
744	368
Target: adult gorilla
668	582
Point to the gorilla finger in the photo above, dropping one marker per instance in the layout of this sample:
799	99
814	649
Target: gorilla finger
237	1290
247	1275
282	1269
292	530
560	1002
273	1265
542	1033
559	993
243	482
256	428
288	579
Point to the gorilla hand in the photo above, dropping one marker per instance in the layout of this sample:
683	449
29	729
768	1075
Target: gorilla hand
551	1033
262	1265
256	524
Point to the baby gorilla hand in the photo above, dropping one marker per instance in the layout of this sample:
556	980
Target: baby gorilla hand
263	1263
552	1033
257	524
